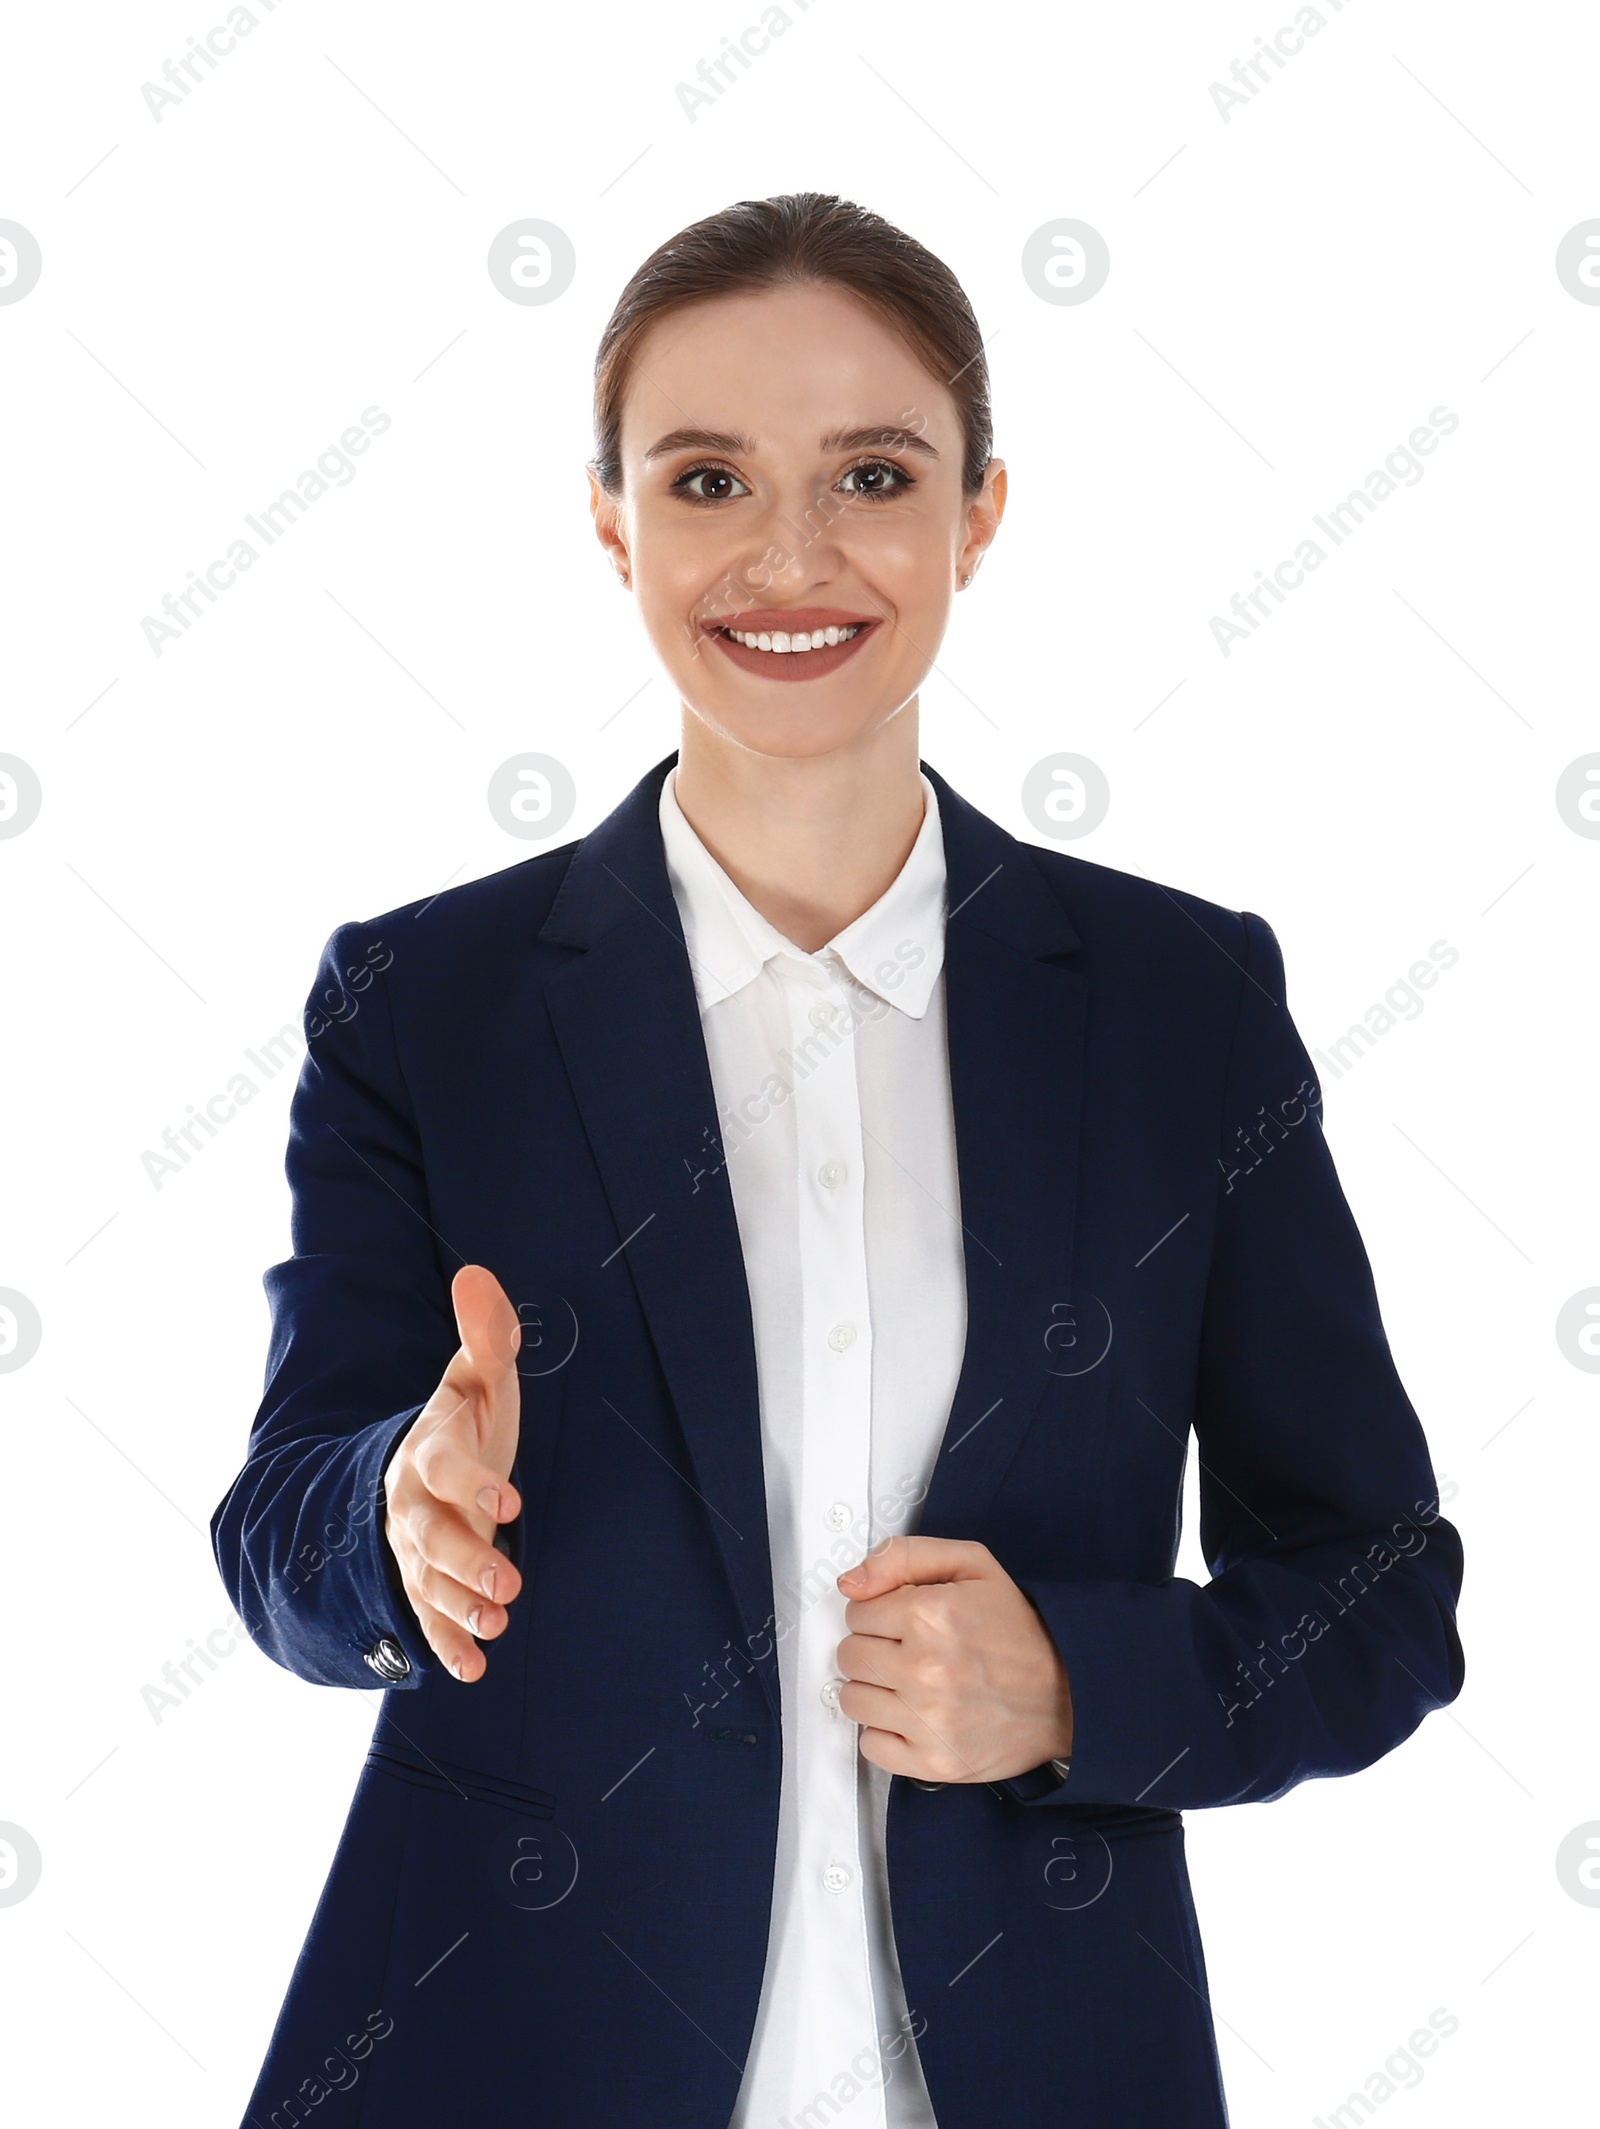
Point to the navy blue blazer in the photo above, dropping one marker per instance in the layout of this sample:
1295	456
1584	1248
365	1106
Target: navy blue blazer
550	1901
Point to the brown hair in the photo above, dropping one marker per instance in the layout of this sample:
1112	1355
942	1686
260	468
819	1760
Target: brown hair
796	238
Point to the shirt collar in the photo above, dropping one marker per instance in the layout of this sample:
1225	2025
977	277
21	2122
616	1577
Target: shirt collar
894	949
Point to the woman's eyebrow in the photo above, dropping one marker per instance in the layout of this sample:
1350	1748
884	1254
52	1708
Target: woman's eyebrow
883	436
887	436
730	442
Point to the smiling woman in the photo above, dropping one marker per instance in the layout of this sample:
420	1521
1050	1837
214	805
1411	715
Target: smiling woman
826	1112
793	474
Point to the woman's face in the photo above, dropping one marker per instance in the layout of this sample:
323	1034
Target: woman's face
791	470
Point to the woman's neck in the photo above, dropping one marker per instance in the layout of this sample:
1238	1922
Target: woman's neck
810	841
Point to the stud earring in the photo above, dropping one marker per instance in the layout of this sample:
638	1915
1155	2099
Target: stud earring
967	579
622	577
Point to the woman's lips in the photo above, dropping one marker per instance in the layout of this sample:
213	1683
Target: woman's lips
803	620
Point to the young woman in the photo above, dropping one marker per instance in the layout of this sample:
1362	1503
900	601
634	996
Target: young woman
757	1269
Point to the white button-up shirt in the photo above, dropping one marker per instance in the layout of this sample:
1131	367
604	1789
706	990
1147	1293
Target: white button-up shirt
832	1082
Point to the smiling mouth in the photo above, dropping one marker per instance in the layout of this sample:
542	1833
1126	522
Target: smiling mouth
806	644
784	644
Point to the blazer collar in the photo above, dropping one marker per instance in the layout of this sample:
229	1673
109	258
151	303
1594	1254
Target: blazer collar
990	881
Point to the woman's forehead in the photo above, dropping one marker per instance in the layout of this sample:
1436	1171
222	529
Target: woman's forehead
793	365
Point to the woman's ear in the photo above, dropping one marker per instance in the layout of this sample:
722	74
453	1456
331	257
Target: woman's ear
984	513
607	515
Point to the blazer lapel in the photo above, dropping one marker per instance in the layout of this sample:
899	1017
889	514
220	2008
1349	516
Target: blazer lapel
1015	1017
628	1023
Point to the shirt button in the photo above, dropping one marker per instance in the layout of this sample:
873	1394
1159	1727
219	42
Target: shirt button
838	1516
831	1692
842	1337
831	1174
835	1877
822	1013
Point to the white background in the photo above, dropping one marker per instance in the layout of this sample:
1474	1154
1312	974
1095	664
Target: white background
303	236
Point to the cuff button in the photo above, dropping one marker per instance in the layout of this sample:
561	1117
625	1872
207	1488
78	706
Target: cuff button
389	1660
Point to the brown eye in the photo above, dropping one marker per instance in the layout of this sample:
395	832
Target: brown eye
709	484
875	480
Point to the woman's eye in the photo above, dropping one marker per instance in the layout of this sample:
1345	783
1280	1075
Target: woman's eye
875	479
719	485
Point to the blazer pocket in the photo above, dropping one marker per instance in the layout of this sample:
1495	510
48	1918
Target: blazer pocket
447	1778
1114	1822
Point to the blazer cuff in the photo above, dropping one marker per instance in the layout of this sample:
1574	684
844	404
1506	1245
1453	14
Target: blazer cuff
1040	1784
1138	1705
327	1601
391	1625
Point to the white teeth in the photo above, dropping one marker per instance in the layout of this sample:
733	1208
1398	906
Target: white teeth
782	642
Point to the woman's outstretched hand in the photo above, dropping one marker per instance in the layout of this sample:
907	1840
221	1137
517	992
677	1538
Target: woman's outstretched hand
448	1484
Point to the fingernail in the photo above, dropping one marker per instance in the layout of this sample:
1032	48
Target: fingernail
486	1581
474	1620
489	1500
455	1665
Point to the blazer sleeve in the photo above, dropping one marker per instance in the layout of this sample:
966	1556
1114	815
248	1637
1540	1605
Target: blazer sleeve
1327	1630
362	1330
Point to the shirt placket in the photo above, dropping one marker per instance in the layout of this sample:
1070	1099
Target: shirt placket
832	1499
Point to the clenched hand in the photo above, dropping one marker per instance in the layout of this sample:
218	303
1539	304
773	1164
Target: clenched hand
952	1673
